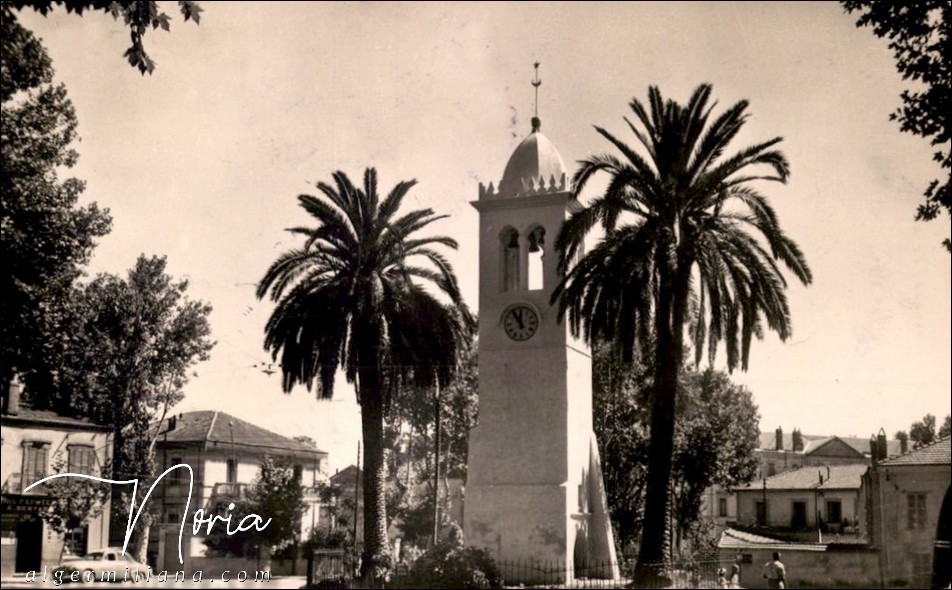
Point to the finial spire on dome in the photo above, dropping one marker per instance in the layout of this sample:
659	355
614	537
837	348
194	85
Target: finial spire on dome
536	122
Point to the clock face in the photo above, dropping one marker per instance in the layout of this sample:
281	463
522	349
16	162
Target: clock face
520	322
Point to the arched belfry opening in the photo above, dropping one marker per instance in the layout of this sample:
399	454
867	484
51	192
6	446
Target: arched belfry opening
509	259
536	266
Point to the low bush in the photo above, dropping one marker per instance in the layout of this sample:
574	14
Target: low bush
450	565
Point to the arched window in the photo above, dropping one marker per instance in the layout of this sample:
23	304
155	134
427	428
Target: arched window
510	260
536	256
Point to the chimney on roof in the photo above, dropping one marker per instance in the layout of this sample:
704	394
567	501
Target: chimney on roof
797	440
881	445
779	438
903	443
172	422
873	450
11	398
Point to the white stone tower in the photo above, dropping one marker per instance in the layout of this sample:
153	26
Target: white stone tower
534	491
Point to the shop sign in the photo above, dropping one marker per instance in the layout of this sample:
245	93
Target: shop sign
13	503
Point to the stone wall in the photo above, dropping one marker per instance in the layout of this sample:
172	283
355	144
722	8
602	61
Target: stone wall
847	568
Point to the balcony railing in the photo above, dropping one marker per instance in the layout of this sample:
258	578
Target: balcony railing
239	491
16	482
230	491
13	484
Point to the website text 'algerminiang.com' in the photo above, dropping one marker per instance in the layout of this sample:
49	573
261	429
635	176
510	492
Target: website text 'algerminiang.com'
61	576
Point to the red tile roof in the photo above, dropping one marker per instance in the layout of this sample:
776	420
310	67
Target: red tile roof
219	428
938	453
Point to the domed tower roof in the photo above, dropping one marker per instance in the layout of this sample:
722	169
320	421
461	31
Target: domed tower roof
534	161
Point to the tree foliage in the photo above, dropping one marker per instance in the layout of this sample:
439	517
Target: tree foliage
276	494
366	294
47	236
132	345
129	347
450	564
75	502
716	433
691	248
411	430
140	17
620	421
918	34
946	428
902	436
922	432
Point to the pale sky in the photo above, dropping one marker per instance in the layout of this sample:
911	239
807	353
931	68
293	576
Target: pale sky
203	161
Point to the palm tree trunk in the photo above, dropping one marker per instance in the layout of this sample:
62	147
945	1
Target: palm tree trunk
375	559
655	541
651	554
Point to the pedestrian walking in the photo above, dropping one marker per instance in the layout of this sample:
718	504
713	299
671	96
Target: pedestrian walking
722	578
775	572
735	571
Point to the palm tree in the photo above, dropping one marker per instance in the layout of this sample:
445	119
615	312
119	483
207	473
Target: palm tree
690	246
361	294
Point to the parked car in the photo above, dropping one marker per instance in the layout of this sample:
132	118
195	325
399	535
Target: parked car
106	565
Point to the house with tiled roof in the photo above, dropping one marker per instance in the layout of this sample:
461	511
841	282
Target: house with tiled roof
36	444
781	451
814	498
908	516
225	454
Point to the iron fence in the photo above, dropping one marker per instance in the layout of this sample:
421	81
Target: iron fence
334	571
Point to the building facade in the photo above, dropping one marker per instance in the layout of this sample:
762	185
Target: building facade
908	516
36	444
225	454
779	452
816	498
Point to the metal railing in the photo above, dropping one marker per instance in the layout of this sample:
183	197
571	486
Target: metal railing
335	569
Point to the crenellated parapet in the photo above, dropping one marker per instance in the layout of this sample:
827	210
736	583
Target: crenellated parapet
526	187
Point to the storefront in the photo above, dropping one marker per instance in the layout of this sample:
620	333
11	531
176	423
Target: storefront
34	445
22	531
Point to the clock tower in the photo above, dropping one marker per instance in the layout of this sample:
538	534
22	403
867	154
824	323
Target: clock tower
534	491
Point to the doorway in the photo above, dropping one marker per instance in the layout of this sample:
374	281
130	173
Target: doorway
799	518
29	544
942	554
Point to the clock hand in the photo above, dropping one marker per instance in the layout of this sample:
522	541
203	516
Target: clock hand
518	315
